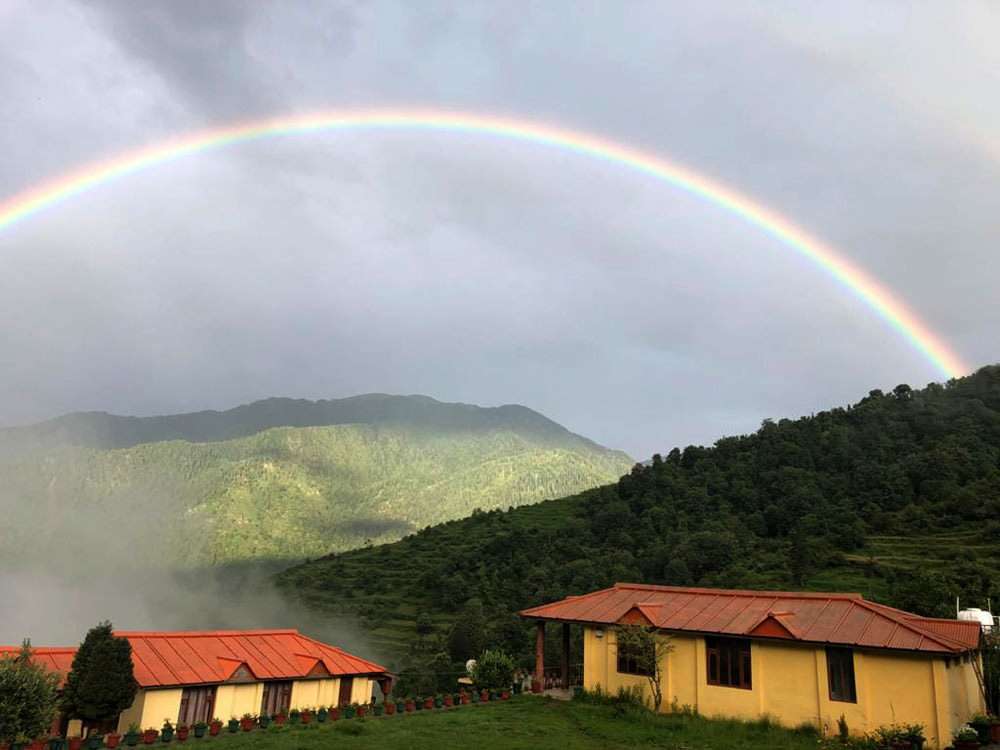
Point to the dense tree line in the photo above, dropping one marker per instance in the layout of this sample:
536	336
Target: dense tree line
792	504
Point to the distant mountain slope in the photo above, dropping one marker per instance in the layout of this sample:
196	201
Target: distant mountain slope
897	496
283	492
103	430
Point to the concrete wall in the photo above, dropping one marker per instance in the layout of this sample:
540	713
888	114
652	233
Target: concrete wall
790	685
315	693
232	701
159	705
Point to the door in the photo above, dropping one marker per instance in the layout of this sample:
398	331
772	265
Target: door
346	687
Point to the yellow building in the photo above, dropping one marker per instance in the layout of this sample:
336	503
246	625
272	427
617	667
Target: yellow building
796	657
197	676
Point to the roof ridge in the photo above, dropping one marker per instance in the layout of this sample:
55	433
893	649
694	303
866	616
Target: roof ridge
203	633
738	592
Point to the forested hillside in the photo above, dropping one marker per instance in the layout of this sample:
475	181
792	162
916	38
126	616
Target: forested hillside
897	497
289	493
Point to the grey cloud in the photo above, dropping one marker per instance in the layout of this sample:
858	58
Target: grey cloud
474	269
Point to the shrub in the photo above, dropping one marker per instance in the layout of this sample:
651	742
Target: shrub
27	696
494	670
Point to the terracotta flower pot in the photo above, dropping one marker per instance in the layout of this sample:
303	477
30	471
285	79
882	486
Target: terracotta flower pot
334	714
246	724
112	740
390	708
463	699
279	719
38	744
75	743
484	696
149	736
449	701
182	733
410	706
214	728
362	711
306	717
505	695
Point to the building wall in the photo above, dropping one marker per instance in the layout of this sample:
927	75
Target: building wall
133	714
235	700
158	705
315	693
790	684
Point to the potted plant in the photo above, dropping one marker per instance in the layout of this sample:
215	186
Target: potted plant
305	716
19	742
362	709
914	734
418	703
334	713
428	703
264	720
408	705
475	696
485	696
166	731
233	725
182	731
966	738
55	742
463	697
132	735
448	701
390	707
199	729
349	711
294	716
438	701
246	722
281	716
149	735
37	744
214	726
505	695
981	723
111	739
75	743
322	715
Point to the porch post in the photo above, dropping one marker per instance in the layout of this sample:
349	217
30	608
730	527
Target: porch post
565	656
539	682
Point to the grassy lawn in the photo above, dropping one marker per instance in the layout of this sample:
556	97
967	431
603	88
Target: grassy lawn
528	723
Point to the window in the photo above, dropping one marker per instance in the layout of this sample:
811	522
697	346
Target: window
840	673
630	660
728	662
277	695
197	704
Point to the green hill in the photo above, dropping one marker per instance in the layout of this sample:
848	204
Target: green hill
282	492
897	496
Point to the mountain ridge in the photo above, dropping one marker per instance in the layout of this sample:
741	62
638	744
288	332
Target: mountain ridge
104	430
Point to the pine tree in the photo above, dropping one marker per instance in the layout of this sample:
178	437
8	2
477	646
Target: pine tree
101	682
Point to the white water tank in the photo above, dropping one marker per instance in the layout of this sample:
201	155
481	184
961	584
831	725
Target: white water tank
985	619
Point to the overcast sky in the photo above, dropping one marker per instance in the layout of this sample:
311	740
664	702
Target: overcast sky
472	269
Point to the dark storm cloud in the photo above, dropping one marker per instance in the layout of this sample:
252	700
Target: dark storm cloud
472	269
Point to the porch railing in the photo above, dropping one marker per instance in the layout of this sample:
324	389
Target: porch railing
552	676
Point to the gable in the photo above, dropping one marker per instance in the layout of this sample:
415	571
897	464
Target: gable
238	671
774	625
635	616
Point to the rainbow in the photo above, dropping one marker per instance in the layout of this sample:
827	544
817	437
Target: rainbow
879	299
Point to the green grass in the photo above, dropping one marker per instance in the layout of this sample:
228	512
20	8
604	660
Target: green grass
529	723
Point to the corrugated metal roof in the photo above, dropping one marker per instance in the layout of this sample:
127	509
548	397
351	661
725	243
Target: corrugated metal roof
190	658
837	619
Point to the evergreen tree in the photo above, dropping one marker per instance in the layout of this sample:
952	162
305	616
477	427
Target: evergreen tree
101	682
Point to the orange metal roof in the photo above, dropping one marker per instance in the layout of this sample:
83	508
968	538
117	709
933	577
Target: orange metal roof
204	657
837	619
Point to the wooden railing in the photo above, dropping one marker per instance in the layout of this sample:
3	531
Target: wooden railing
552	676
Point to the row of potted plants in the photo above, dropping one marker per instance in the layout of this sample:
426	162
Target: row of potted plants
181	731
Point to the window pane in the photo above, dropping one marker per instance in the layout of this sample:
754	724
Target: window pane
723	665
713	667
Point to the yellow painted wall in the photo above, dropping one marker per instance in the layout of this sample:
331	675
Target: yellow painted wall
159	705
133	714
790	684
236	700
315	693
